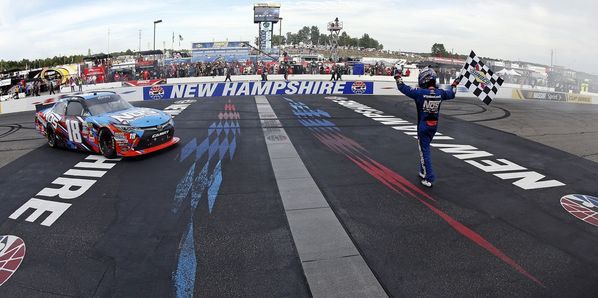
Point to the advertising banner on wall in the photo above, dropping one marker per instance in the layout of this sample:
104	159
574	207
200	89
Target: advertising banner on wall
256	88
97	72
579	98
542	95
139	83
556	96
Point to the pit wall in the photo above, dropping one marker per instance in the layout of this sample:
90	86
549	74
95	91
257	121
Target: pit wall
299	84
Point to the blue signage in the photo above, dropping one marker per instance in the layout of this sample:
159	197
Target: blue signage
256	88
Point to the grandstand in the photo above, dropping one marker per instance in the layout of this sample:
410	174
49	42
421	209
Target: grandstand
227	50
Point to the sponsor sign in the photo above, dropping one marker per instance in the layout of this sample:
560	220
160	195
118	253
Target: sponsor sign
447	60
583	207
5	82
579	98
543	95
155	92
139	83
94	71
145	64
256	88
265	35
359	87
218	44
133	115
12	252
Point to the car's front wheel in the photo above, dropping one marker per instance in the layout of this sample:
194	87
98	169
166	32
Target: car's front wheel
51	137
107	144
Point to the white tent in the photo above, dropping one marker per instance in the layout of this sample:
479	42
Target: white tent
512	72
502	72
509	72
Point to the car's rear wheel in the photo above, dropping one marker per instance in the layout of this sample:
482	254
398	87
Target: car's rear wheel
51	137
107	144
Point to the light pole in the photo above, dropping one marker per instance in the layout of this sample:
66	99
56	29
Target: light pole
155	22
108	43
279	36
280	28
139	40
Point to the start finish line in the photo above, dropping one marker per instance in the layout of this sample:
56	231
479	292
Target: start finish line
256	88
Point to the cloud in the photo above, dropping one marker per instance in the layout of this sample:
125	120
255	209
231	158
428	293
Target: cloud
505	29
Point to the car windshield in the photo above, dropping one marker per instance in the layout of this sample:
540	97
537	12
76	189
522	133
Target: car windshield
107	104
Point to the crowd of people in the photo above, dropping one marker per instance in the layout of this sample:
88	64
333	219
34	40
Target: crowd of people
52	86
152	69
222	68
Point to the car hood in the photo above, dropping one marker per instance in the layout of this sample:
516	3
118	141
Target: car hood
137	117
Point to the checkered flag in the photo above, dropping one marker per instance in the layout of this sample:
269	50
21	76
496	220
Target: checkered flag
480	79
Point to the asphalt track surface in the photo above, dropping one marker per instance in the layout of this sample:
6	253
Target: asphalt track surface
473	234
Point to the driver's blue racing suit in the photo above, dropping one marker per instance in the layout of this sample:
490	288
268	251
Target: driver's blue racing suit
428	103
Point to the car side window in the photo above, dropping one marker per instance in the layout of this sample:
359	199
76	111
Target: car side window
59	108
74	108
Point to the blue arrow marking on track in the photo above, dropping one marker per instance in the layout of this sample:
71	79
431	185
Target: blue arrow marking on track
214	186
187	266
182	189
199	185
185	275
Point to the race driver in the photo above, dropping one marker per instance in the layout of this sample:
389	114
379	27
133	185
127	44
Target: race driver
427	100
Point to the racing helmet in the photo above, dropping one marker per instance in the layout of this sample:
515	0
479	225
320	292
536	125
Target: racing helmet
427	77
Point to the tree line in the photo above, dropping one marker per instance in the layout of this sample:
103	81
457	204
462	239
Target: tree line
10	66
312	35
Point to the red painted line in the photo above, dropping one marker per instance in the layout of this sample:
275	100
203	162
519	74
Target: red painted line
402	180
479	240
380	175
394	181
374	174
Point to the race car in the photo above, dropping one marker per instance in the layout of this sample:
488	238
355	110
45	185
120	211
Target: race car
102	122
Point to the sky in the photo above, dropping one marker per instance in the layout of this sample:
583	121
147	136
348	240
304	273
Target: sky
507	29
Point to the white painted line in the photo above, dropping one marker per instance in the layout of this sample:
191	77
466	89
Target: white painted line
331	262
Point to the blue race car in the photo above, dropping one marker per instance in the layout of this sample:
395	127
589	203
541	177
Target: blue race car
102	122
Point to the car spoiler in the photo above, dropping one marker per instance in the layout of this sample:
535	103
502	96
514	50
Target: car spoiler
46	104
95	92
